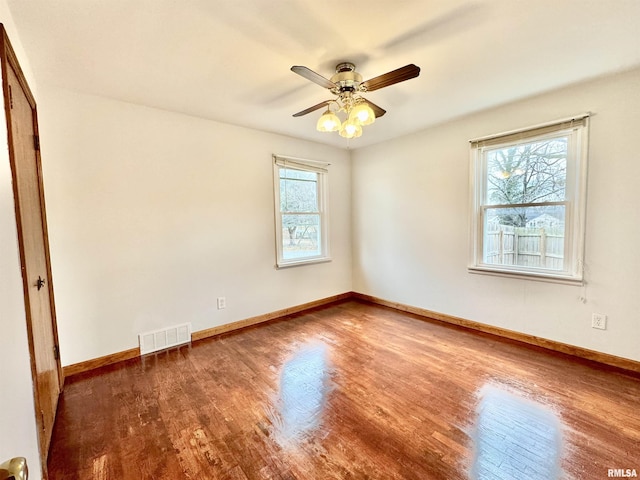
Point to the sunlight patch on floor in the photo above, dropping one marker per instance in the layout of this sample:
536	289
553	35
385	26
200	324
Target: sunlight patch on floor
515	438
305	382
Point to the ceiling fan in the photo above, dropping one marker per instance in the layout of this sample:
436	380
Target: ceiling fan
347	86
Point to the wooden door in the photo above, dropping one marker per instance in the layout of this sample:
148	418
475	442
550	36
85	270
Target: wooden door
24	155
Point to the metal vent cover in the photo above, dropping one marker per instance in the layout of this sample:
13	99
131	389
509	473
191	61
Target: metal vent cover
164	338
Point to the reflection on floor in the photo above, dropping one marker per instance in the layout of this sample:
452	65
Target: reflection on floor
349	391
515	438
305	381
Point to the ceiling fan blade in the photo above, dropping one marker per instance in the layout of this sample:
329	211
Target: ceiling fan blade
396	76
313	76
313	109
376	109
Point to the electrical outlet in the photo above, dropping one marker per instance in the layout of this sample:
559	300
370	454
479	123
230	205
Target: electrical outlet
222	303
599	320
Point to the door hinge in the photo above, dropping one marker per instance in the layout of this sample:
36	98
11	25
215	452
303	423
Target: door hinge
36	142
10	97
56	352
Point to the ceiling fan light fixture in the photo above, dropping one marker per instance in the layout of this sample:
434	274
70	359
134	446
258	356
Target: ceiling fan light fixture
328	122
350	130
347	86
362	114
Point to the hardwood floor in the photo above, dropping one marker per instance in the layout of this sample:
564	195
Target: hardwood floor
349	391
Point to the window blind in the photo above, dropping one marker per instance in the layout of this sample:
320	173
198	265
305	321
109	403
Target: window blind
301	164
530	132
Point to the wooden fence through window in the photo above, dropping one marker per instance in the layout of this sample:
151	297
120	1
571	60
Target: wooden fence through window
527	247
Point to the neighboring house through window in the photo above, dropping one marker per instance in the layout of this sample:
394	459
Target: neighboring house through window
528	212
301	211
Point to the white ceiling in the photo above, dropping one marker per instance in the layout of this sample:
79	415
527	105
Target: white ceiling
229	60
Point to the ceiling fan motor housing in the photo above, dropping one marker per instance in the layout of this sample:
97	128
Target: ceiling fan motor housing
346	77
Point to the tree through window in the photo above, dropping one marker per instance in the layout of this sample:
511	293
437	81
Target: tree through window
300	211
529	201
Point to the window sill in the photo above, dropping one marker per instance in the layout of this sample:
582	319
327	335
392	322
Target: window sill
534	276
298	263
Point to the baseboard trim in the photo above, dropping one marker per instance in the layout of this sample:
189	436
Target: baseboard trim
94	363
249	322
584	353
580	352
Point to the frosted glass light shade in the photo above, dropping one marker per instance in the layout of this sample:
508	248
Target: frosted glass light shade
362	114
350	130
328	122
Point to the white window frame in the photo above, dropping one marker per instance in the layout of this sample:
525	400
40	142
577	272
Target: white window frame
321	168
577	129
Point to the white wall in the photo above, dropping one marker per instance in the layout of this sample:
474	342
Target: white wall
411	223
17	419
153	214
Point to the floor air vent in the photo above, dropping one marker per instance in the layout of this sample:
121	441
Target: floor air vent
164	338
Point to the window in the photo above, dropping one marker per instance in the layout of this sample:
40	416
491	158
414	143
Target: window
528	199
301	213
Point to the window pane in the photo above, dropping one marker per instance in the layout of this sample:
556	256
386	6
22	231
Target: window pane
298	191
300	236
530	237
527	173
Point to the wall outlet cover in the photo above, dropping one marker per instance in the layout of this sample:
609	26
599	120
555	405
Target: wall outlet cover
599	320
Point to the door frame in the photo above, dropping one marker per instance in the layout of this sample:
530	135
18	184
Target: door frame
8	59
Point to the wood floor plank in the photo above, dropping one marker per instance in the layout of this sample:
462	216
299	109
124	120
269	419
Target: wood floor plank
349	391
